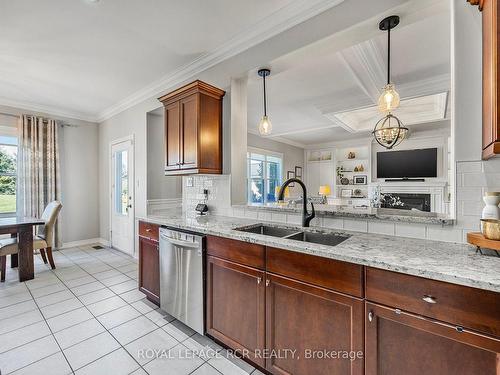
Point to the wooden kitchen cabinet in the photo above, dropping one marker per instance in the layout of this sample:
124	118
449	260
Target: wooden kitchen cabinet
398	343
491	79
193	129
312	321
149	261
235	306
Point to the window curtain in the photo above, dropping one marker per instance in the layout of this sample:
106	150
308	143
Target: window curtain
38	170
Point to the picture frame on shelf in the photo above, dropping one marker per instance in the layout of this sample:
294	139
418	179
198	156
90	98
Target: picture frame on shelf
360	180
289	175
298	172
346	193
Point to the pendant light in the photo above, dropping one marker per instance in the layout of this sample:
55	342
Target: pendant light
265	126
389	131
389	100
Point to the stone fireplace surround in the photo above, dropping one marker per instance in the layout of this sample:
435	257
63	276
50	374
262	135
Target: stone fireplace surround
436	191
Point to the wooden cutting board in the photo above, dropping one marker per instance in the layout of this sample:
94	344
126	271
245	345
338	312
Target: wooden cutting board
477	239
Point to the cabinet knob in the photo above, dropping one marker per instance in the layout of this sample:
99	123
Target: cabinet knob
268	282
259	280
370	316
429	299
148	230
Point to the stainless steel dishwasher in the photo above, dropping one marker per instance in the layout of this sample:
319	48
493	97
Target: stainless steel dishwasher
182	276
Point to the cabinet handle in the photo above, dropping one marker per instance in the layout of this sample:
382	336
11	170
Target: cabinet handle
268	282
370	316
259	280
429	299
148	230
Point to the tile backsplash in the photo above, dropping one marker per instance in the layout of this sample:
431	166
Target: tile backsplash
219	193
474	178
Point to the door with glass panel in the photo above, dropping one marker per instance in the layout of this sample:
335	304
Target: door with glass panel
122	194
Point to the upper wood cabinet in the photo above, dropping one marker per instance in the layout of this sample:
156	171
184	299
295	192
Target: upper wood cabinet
491	83
193	129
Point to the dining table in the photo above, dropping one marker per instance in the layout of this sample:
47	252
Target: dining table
22	228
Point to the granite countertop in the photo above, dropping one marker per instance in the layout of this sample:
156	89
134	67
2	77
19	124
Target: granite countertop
388	214
450	262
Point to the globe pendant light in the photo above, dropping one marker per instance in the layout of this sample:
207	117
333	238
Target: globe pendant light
265	126
389	131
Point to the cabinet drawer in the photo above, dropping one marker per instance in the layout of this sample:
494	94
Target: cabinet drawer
459	305
149	230
328	273
245	253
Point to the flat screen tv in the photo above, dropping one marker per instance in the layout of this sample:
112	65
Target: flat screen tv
407	163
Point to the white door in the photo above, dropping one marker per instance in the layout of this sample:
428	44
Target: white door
122	194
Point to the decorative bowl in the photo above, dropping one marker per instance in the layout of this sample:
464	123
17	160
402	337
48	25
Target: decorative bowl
491	229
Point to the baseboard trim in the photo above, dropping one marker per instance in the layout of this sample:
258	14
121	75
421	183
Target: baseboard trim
86	242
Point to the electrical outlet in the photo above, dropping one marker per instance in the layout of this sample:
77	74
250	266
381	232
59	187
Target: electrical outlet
189	182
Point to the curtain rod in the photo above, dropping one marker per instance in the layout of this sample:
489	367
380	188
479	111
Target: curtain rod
45	121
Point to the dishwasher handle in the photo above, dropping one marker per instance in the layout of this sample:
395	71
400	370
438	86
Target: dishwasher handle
185	244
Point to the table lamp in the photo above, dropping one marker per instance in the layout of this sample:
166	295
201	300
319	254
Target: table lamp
324	190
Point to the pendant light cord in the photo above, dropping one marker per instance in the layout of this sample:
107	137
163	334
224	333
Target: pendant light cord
265	104
389	56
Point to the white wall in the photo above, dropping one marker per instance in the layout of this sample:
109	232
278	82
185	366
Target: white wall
80	182
467	80
159	185
79	179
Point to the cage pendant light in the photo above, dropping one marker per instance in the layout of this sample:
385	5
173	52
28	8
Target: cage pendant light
389	131
265	126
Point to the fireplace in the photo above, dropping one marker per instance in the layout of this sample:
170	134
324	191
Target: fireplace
406	201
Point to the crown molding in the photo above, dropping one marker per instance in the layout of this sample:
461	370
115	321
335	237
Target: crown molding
270	26
49	110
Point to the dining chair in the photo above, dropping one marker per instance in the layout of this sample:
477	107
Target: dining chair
43	241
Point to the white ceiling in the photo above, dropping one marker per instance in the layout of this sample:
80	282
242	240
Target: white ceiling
80	58
311	90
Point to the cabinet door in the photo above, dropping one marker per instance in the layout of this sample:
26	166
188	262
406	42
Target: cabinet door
189	132
313	322
235	306
491	83
172	137
149	269
401	343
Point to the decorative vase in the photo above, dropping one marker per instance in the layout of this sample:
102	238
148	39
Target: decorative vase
491	210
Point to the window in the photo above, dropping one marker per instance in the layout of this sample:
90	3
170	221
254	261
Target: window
264	171
8	174
121	182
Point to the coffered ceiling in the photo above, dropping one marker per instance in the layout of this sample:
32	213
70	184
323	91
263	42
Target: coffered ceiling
328	91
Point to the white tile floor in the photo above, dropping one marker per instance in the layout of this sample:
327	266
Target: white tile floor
88	317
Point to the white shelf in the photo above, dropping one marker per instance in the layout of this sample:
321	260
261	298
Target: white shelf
351	185
356	159
320	161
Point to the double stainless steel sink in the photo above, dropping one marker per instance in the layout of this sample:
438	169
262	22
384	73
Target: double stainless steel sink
323	238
